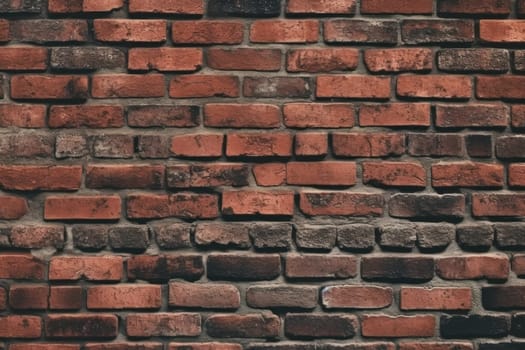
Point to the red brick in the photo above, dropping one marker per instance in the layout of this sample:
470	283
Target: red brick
13	207
398	60
82	208
23	58
179	116
207	32
324	7
205	296
27	327
165	59
259	145
83	326
270	174
434	86
37	177
328	173
163	325
353	86
198	86
518	116
321	266
500	87
341	203
398	326
284	31
474	7
244	59
263	325
225	115
125	176
482	115
69	268
179	7
435	298
518	265
404	7
127	85
49	87
498	204
322	60
356	31
161	268
436	346
182	205
467	174
49	30
86	116
124	296
502	31
473	267
36	237
28	297
400	174
319	115
22	115
368	144
65	298
356	297
197	145
21	266
125	30
395	114
76	6
43	346
204	346
516	175
311	144
258	203
437	31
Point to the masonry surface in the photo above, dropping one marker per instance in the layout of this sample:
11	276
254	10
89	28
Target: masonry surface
262	175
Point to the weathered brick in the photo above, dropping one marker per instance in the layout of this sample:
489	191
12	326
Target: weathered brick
360	31
263	325
86	58
275	296
320	266
163	325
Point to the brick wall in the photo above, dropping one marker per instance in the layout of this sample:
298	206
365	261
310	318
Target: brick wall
262	175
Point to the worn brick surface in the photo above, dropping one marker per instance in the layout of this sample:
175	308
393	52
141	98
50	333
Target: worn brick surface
262	174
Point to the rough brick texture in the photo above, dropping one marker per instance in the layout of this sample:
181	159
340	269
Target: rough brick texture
262	174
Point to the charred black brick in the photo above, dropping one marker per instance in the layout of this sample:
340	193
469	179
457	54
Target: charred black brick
244	8
474	326
409	269
129	238
90	237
